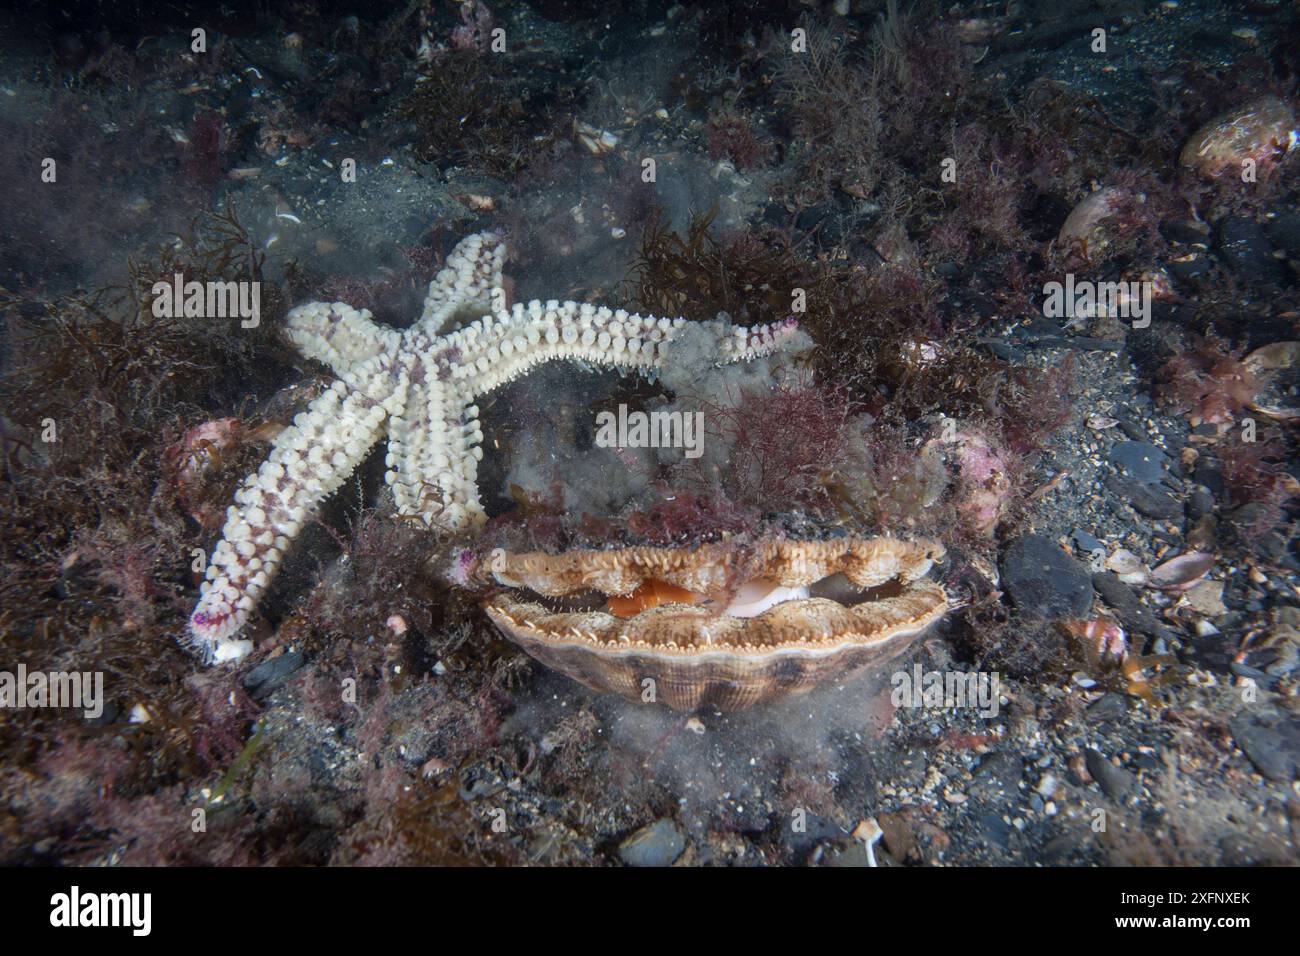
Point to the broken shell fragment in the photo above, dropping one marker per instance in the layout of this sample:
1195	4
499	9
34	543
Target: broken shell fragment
598	142
1183	571
1204	598
1276	369
747	630
1127	566
1103	639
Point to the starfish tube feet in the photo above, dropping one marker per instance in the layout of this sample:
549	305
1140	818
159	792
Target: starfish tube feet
338	335
308	461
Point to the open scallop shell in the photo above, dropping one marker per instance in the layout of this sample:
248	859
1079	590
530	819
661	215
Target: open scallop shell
695	655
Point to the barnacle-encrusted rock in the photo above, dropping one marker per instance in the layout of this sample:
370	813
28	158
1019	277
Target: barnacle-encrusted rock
744	623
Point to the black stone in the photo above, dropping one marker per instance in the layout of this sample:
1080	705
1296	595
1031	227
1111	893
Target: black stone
1209	472
1200	503
814	829
993	829
997	777
1132	429
1184	230
1189	268
1133	614
1249	254
1115	782
268	675
1146	760
1271	742
1284	232
1107	708
1145	499
813	215
1141	460
1085	542
1043	581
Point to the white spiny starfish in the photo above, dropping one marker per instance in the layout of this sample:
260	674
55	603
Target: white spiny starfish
417	386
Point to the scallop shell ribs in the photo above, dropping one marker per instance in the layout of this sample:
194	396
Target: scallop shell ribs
719	625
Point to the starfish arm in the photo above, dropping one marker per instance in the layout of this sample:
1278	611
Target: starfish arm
494	351
738	343
338	335
469	282
433	456
308	461
410	431
459	505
